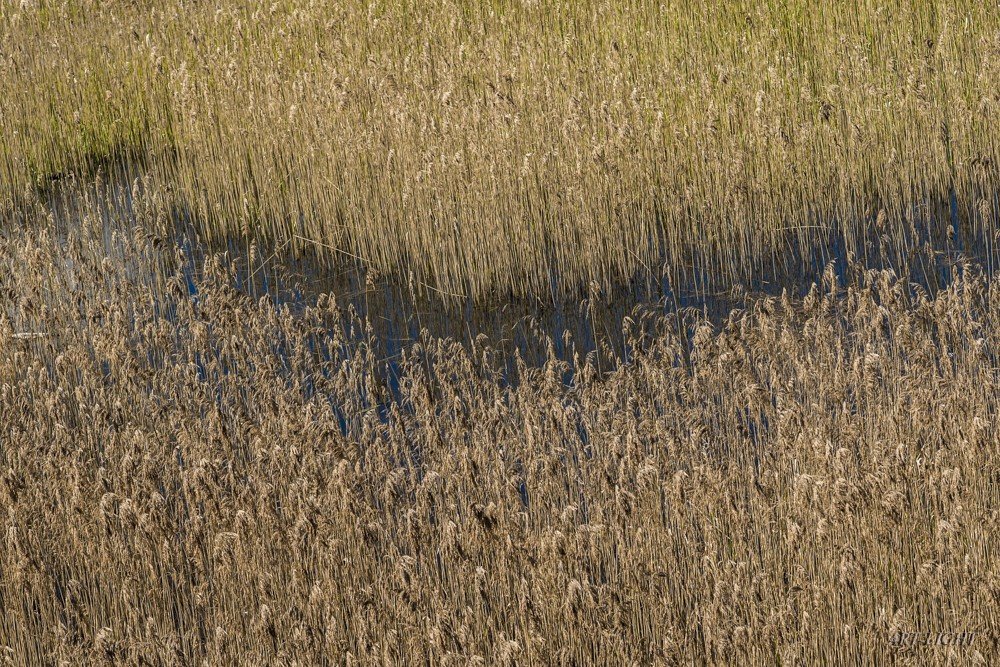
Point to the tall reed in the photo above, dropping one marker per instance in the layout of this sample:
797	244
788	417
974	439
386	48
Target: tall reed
519	147
190	475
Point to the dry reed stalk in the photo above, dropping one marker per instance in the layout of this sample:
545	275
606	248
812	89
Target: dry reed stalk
210	478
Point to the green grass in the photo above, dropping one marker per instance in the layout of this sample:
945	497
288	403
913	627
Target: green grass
483	146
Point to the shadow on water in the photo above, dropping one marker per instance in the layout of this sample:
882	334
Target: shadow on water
926	252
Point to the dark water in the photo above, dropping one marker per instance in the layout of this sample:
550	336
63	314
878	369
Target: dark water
931	248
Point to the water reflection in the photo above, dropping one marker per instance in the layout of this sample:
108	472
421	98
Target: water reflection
927	252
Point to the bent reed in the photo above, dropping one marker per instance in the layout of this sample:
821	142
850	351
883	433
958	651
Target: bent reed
190	475
502	146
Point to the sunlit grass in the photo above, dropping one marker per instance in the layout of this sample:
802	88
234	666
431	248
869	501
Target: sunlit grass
199	476
486	146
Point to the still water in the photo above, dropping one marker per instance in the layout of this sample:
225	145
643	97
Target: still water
931	249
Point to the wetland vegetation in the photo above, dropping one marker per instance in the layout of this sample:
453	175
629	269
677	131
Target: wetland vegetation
498	333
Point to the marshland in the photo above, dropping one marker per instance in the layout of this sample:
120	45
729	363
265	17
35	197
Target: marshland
498	333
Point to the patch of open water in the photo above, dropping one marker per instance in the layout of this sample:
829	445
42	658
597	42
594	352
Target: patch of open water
926	253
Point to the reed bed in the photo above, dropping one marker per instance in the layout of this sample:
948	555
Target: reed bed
502	147
193	476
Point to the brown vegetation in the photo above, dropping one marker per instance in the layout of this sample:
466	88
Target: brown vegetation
189	478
